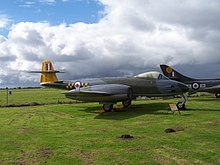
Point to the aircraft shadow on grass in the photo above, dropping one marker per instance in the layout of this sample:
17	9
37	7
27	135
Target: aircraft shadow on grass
133	111
204	110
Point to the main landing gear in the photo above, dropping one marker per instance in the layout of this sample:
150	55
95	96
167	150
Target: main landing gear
217	95
181	104
126	103
109	107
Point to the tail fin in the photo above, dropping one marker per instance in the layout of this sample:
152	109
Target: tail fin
174	75
48	74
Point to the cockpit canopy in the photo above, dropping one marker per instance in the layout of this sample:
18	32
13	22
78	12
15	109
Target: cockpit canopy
152	75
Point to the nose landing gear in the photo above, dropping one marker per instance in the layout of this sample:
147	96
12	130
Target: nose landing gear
181	104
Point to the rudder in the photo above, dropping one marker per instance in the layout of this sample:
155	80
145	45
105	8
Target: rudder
48	73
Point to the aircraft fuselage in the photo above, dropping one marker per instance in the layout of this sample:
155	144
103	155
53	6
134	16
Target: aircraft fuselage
118	88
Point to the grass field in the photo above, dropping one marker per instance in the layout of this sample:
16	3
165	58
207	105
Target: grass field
79	134
28	96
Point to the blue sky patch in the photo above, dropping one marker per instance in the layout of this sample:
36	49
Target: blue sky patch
53	11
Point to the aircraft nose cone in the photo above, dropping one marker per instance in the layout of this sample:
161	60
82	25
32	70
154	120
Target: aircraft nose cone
183	87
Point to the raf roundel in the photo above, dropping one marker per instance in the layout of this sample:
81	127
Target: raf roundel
77	85
195	86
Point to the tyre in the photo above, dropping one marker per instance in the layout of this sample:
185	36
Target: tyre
217	95
180	105
107	107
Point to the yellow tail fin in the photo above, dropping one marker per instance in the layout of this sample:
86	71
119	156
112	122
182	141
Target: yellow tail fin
48	73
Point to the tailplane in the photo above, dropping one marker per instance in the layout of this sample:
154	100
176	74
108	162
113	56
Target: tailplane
48	74
174	75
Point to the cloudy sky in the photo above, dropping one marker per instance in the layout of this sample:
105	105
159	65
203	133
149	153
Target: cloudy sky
101	38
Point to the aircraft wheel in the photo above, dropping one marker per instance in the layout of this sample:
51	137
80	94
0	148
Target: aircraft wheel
217	95
107	107
126	103
180	105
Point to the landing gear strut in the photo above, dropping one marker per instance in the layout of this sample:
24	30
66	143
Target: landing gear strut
107	107
130	96
126	103
181	104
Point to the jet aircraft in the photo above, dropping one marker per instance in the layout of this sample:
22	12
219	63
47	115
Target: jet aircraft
195	85
108	91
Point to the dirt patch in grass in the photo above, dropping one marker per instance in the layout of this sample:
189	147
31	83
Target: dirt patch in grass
129	137
126	137
35	156
170	130
40	104
23	105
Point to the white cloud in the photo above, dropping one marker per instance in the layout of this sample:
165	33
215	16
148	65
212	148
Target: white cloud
4	21
132	36
27	4
47	1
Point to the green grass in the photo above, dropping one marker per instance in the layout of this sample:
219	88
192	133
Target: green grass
78	134
27	96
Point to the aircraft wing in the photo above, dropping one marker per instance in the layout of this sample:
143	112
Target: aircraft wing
105	92
103	89
213	89
86	92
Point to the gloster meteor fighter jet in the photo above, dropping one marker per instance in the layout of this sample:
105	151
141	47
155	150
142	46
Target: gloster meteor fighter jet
195	85
109	91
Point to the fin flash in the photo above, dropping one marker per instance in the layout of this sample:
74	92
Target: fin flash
48	73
